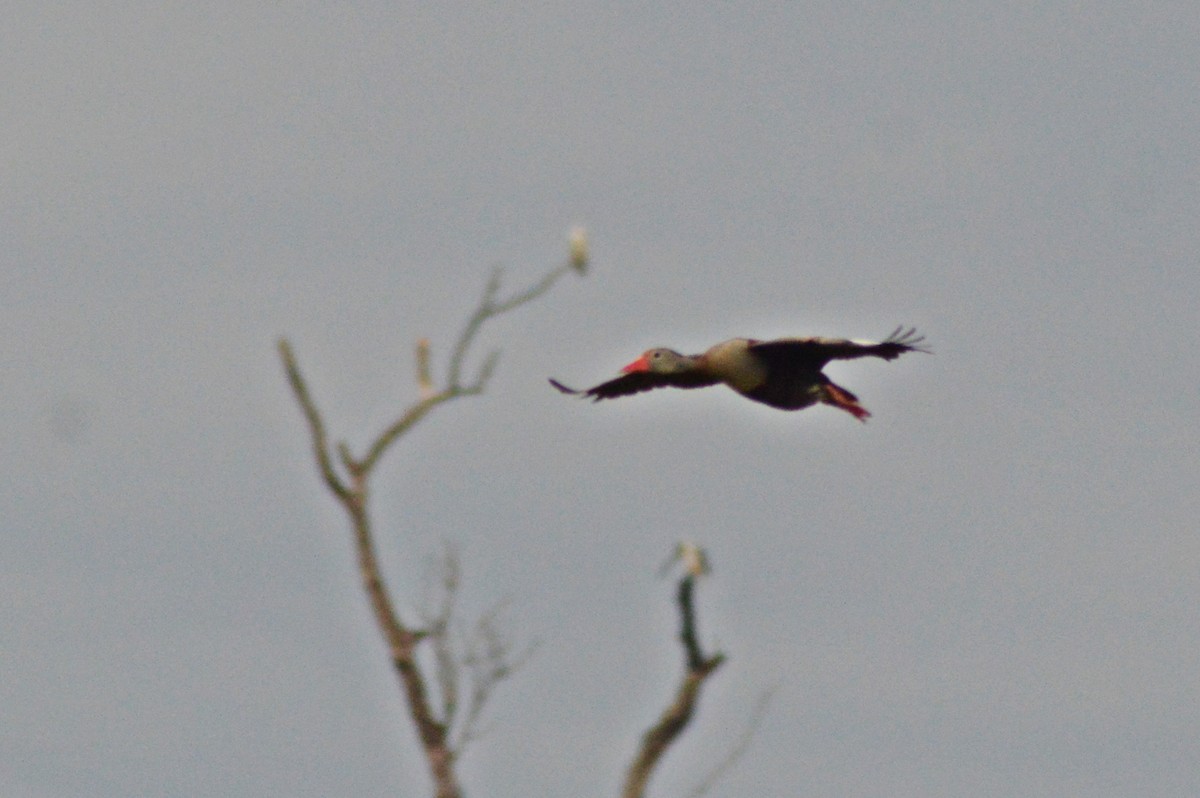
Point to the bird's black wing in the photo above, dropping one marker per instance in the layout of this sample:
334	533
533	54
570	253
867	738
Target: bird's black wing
636	382
813	353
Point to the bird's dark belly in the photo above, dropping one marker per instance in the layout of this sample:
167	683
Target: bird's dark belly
785	396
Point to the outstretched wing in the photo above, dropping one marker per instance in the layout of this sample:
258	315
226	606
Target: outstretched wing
636	382
814	353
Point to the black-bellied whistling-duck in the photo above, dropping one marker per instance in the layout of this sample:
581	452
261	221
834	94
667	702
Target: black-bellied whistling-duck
785	373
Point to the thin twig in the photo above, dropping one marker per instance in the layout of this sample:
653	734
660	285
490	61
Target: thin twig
315	425
489	658
436	613
489	307
534	291
405	422
740	746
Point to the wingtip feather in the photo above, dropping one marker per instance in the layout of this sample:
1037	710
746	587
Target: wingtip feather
564	389
909	339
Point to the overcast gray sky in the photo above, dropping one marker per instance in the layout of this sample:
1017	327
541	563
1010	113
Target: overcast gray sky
991	589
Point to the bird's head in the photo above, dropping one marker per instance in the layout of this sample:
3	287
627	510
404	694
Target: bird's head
659	361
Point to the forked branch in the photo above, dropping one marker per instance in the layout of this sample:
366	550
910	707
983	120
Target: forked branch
432	725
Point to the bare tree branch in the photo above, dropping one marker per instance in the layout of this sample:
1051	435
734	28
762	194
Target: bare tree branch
469	664
489	658
316	426
404	423
432	726
487	308
437	610
402	642
687	626
659	737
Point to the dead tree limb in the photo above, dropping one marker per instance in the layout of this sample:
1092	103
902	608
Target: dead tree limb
432	723
659	737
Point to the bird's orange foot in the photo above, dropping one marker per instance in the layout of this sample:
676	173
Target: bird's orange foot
843	399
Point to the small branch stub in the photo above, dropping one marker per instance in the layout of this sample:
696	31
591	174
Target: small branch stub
579	249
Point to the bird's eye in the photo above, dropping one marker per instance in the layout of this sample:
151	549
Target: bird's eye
656	355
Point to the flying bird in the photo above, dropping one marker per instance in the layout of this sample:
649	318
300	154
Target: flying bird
784	373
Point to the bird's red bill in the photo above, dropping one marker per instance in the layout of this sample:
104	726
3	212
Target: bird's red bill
641	364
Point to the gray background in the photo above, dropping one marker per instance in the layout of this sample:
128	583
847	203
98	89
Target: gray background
990	589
